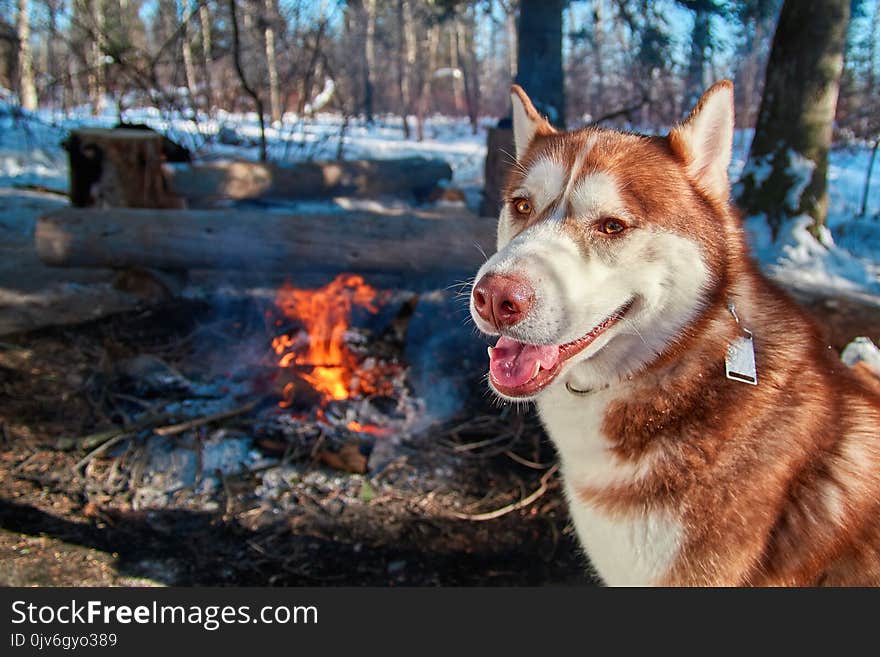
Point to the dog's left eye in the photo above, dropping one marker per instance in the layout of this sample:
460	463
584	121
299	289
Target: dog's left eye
612	226
522	205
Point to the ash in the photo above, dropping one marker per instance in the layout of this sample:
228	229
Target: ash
203	424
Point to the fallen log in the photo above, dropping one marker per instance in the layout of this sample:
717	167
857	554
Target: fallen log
62	305
417	242
205	182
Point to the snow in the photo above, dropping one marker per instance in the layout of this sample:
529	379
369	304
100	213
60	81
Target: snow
845	260
800	170
30	151
862	350
800	260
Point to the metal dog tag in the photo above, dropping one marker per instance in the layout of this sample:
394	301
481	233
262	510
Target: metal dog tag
740	360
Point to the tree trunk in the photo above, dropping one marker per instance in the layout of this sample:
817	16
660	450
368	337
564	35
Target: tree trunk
427	81
271	63
499	149
309	76
406	60
867	187
416	242
540	74
95	59
369	7
788	162
189	69
873	38
539	57
207	57
27	91
468	66
512	45
52	67
598	45
750	74
701	41
455	65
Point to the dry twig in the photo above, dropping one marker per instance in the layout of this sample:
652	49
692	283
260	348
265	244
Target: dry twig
515	506
100	449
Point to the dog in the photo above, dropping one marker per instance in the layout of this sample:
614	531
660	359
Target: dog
706	435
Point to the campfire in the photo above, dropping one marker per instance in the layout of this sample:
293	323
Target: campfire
316	347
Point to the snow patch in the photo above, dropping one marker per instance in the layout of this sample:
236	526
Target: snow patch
797	258
862	350
800	171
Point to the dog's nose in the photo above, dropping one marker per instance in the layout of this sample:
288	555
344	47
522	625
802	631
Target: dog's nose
503	300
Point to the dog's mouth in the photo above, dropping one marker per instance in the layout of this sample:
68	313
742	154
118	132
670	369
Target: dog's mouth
517	369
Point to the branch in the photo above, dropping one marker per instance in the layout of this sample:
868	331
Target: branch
510	508
236	56
625	111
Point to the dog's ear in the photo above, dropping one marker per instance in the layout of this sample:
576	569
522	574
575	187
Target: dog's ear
704	142
526	121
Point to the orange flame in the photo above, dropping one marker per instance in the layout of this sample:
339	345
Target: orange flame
325	314
367	428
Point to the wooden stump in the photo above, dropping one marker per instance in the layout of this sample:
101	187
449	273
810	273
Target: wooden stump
500	155
118	168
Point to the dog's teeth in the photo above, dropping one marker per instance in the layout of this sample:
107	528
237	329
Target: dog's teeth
537	369
490	350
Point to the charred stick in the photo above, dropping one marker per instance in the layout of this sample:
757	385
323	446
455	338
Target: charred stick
174	429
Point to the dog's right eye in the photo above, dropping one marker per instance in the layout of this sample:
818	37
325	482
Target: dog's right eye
612	226
522	206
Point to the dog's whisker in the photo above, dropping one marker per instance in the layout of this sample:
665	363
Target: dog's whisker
632	325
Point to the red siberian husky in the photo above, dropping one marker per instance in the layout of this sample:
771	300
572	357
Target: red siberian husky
707	436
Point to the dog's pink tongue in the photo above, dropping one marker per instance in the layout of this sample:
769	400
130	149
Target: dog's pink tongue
513	363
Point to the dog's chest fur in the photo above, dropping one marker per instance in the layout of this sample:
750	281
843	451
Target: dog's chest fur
635	547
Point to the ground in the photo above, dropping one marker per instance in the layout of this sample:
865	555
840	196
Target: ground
285	524
66	524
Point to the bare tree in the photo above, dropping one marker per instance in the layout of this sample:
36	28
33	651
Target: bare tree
427	79
88	20
406	59
509	7
207	55
756	19
271	63
539	56
308	78
27	90
466	59
369	8
189	68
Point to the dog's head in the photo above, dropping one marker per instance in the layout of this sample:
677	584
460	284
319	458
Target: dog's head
609	245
